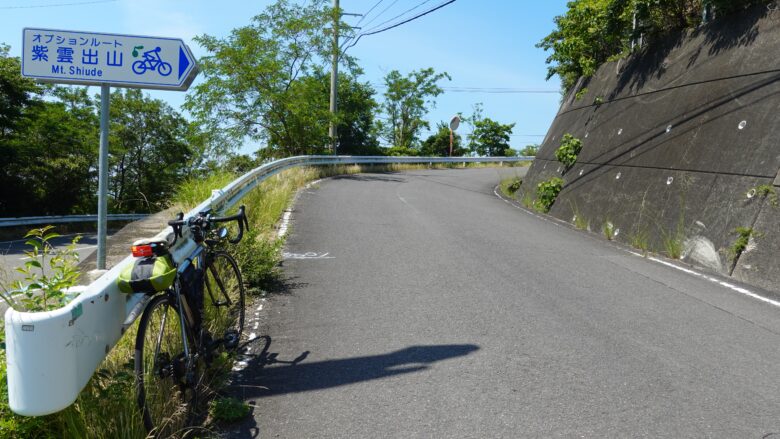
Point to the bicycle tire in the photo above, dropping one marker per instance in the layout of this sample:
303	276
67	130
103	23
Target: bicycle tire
164	69
224	299
166	401
139	67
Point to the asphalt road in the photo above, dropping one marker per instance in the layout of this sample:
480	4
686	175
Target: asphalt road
421	305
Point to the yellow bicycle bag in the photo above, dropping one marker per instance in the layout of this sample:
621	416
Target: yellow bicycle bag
148	275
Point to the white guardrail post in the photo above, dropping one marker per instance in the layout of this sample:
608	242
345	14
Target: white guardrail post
52	355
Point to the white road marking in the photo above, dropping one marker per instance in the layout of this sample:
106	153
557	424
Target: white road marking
308	255
252	336
260	308
728	285
285	223
312	183
732	287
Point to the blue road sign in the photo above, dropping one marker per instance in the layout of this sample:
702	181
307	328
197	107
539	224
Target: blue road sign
91	58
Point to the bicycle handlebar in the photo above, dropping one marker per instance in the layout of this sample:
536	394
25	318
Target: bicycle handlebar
240	217
203	221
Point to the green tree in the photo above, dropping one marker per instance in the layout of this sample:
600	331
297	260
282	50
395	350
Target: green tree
240	164
406	102
16	93
584	37
47	154
529	150
356	125
438	144
149	151
488	137
257	80
593	31
355	117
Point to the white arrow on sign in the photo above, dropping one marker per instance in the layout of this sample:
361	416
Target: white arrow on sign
91	58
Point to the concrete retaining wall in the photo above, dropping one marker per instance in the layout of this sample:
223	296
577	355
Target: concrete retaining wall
674	138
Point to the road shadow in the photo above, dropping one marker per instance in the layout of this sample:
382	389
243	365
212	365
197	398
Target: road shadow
283	286
267	375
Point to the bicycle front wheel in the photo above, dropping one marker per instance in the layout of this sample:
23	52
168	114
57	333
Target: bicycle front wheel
223	306
164	385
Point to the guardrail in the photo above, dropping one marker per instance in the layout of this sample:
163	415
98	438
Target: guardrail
64	219
52	355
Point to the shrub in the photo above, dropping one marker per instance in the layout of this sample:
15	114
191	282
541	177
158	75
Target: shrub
47	274
546	193
569	150
514	186
259	260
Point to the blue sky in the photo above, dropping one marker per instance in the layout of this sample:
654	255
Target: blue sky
484	44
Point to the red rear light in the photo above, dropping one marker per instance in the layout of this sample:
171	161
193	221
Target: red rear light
140	251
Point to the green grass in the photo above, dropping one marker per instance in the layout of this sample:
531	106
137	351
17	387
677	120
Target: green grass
640	240
193	191
510	186
767	191
528	201
228	410
674	242
580	222
608	229
741	243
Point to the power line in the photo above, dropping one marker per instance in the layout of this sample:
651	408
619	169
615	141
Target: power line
410	19
399	15
54	5
422	14
494	90
383	11
368	12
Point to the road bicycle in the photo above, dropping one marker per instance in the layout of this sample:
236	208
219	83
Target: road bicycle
152	61
176	351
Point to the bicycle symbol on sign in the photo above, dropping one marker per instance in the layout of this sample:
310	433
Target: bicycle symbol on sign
151	61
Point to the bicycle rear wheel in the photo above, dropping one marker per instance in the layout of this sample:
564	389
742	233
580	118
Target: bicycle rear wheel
223	304
166	390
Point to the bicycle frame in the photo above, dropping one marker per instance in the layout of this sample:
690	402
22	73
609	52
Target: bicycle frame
152	58
185	311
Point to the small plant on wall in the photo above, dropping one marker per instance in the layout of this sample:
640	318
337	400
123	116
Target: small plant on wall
569	150
741	243
765	191
546	193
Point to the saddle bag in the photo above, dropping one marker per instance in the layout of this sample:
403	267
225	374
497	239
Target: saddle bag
148	275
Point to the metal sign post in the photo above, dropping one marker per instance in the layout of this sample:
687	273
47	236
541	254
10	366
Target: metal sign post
106	60
454	124
105	97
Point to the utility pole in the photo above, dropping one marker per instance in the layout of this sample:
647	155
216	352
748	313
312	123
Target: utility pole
334	75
